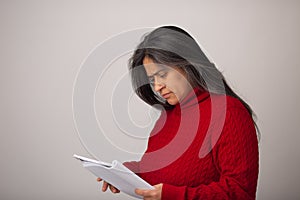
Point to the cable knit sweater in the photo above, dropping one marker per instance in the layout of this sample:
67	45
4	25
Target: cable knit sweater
202	154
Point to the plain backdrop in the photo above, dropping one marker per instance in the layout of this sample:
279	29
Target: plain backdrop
43	44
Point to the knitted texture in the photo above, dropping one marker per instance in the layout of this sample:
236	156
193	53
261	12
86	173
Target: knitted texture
229	167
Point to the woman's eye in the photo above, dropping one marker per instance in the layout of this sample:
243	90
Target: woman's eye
151	80
163	75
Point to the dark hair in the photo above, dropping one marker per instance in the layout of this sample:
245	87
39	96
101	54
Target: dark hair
173	46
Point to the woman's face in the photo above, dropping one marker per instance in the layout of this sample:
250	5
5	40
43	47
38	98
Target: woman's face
169	81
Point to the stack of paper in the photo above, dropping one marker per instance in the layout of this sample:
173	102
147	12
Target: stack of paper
116	174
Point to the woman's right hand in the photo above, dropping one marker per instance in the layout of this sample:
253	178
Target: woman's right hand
106	185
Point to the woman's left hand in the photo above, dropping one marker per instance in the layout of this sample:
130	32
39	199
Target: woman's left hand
154	194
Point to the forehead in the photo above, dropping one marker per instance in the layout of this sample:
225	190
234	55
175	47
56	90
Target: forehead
151	67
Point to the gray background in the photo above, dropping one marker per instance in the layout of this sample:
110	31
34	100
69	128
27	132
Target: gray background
43	43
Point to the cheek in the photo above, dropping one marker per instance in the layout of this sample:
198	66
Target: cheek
179	86
178	83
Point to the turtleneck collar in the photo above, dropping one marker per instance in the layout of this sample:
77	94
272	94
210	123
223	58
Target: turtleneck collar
195	96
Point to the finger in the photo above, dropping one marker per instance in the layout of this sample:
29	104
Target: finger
104	186
142	192
113	189
99	179
148	194
138	192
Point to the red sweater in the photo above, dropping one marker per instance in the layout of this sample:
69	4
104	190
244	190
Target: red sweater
228	166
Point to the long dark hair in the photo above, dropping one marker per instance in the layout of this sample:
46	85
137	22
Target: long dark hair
173	46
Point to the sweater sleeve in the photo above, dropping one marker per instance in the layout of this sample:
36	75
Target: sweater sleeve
236	157
133	166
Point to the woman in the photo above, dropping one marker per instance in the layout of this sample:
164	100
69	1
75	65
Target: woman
204	145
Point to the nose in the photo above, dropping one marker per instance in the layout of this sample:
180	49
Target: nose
158	86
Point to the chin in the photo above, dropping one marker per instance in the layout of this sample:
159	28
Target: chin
172	102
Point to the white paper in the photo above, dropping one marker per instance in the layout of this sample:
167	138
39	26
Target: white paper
116	174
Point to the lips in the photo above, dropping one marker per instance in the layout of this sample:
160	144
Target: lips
166	95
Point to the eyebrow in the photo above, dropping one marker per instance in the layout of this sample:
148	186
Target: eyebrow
156	73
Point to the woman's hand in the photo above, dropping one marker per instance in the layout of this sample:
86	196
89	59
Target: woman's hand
106	185
154	194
